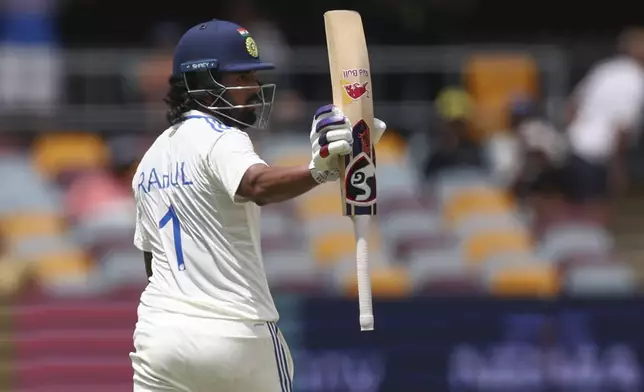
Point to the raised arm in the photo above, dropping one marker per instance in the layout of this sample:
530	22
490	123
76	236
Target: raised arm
247	177
264	184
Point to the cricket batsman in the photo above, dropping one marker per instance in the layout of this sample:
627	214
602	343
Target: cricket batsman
206	320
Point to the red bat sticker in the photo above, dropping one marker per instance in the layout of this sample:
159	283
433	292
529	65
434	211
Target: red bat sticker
356	90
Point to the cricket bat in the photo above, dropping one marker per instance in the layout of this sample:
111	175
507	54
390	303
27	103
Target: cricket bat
351	85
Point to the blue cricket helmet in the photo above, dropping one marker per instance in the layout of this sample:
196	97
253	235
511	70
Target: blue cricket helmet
215	47
218	45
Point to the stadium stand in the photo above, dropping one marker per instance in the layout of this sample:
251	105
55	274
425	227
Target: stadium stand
67	221
459	228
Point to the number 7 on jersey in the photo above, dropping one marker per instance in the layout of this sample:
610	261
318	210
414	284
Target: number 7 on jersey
171	216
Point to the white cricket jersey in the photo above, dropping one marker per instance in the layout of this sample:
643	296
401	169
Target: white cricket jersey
610	99
205	241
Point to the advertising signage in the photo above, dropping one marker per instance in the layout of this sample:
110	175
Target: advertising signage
473	345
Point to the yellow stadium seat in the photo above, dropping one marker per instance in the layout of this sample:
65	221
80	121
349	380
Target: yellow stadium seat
332	246
58	266
336	245
485	244
319	204
492	79
386	282
57	152
476	200
19	226
13	275
526	280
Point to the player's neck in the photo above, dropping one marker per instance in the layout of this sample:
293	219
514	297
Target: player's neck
216	116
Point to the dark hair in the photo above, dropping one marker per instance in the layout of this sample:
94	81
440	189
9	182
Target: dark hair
178	100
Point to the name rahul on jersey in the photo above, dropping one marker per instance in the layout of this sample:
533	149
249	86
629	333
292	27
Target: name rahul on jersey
153	179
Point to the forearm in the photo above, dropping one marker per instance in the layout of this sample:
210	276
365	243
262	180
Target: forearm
276	184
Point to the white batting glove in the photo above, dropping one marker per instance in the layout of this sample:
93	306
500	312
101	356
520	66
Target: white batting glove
331	138
379	126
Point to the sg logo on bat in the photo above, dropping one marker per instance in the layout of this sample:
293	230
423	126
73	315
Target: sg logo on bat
360	172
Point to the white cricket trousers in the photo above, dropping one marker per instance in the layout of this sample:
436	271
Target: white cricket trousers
179	353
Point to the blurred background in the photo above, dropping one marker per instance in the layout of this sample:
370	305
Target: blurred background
509	251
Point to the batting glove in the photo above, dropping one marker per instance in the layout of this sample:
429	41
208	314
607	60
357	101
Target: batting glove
330	137
333	174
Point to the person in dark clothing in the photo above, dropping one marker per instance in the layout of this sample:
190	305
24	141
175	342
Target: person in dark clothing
453	145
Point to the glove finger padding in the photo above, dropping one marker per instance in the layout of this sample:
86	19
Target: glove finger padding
327	118
325	111
332	122
335	135
334	142
329	152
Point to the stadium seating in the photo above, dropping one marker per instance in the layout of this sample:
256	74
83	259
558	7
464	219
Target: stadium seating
458	234
529	279
386	282
17	227
482	246
56	154
494	78
60	267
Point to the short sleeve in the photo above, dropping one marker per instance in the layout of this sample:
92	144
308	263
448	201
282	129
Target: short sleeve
619	92
628	103
230	158
141	240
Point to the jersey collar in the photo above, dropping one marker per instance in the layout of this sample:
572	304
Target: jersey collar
199	114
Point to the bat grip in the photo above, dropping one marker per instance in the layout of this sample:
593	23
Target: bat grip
361	228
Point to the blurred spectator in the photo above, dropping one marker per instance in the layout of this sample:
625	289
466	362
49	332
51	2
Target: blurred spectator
96	194
453	143
540	152
29	59
528	159
503	154
605	114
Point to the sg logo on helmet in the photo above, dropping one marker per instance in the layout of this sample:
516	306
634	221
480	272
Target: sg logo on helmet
251	47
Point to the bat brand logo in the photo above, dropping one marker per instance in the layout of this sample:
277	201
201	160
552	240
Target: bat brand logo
355	72
360	181
201	65
356	90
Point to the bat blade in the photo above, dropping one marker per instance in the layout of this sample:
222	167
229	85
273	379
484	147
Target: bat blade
352	93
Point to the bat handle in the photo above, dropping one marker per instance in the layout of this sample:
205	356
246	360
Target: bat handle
361	227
